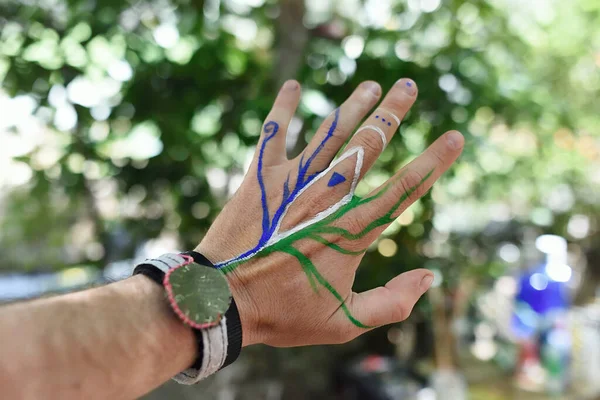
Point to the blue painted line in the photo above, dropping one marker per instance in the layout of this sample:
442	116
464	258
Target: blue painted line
269	225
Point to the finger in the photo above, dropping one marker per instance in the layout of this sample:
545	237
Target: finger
381	206
334	188
409	184
390	303
271	149
415	179
337	127
377	131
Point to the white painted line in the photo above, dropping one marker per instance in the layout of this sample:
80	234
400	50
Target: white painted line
277	236
376	129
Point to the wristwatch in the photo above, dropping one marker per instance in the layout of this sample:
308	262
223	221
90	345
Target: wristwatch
200	296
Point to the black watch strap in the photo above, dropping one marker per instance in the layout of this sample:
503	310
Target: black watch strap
217	346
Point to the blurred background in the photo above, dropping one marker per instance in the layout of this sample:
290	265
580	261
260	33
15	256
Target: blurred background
126	125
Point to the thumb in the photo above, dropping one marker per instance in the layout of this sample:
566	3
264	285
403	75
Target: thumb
392	302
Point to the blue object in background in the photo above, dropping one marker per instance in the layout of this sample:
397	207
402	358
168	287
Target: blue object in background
543	291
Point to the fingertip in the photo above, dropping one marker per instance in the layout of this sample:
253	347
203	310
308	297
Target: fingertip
455	140
286	102
426	282
291	84
420	280
408	279
372	87
407	85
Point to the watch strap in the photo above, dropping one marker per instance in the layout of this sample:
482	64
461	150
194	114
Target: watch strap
217	346
234	324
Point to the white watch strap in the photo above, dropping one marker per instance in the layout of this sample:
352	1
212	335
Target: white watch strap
213	357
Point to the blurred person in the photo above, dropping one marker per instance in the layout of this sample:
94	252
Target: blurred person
276	267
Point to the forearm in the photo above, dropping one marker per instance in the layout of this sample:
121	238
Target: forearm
118	341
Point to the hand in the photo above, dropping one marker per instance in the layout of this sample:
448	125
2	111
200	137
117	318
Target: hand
291	238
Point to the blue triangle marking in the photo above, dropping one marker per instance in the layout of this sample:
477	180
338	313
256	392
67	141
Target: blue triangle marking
336	179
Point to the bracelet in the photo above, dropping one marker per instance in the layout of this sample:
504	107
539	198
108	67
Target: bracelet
218	346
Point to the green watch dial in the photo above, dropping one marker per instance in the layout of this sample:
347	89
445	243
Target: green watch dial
200	295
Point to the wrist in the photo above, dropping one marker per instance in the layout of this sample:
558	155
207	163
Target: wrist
248	311
201	298
181	344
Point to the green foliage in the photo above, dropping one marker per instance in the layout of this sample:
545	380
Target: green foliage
149	112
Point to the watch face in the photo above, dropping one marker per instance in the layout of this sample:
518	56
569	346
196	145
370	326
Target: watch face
199	294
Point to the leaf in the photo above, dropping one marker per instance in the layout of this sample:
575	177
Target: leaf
200	295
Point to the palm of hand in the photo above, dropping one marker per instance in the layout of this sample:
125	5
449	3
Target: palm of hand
300	231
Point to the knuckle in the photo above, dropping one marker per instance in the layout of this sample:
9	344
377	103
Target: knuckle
401	103
336	132
370	142
400	313
354	225
411	186
350	245
435	153
336	139
270	126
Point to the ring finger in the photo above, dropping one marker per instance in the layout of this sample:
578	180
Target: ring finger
377	131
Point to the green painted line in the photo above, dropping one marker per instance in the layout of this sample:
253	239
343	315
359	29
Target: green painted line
336	247
309	267
315	232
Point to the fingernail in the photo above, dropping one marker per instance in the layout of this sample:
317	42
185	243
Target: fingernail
426	283
373	87
408	86
455	140
291	84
